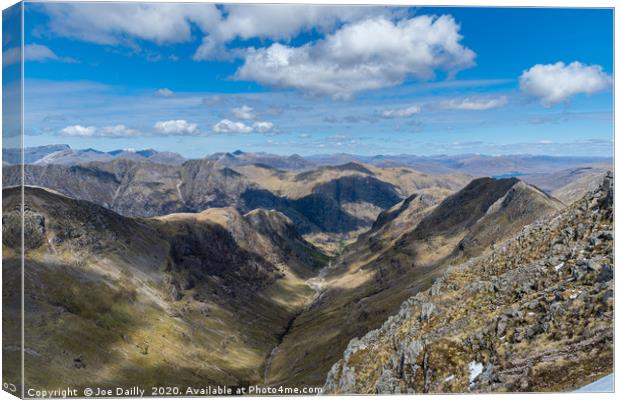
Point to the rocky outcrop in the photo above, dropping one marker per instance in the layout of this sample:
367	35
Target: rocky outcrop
535	314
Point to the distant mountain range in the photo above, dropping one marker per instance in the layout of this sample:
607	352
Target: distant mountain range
471	164
62	154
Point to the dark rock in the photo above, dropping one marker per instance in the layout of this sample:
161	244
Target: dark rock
78	362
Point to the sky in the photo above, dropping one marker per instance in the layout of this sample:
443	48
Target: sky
202	78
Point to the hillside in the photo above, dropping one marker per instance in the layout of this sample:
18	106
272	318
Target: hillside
187	299
533	315
239	273
370	280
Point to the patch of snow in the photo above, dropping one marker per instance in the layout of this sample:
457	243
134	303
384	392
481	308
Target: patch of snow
559	266
449	378
475	369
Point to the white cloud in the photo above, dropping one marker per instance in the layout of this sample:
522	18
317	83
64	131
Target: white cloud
164	92
176	127
369	54
113	23
555	83
275	22
79	130
118	131
244	112
228	126
32	52
263	126
164	23
91	131
473	104
401	112
37	52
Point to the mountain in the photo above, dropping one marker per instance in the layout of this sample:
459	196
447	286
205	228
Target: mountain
534	315
31	154
185	299
62	154
571	184
211	274
373	276
470	164
402	217
239	158
334	199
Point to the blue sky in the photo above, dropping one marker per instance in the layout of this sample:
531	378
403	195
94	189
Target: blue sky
198	79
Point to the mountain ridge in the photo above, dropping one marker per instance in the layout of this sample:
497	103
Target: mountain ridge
510	320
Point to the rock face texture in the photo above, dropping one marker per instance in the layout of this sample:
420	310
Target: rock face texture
534	314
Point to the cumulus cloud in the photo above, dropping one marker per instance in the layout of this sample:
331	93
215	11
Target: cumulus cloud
275	22
114	23
176	127
164	92
369	54
79	130
263	126
115	131
401	112
244	112
162	23
555	83
474	104
228	126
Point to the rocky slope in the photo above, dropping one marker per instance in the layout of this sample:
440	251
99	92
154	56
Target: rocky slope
186	299
535	314
373	277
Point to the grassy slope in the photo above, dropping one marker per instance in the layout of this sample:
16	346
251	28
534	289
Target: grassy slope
100	296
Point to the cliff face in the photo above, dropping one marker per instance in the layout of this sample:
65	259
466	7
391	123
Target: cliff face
536	314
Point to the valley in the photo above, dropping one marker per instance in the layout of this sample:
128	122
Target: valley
142	268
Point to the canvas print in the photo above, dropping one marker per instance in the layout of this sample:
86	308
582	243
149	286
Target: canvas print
208	199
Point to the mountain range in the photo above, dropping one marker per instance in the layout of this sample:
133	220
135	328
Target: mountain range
230	270
470	164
